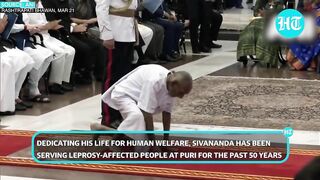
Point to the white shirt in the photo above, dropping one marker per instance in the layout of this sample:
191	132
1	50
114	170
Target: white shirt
147	86
119	28
36	18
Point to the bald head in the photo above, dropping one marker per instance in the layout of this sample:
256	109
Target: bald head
179	84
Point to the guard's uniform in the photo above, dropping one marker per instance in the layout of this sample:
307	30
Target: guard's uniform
64	54
144	88
116	21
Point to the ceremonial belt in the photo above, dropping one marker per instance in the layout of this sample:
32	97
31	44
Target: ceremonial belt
124	13
127	13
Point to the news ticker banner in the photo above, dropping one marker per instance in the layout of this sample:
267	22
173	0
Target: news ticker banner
183	147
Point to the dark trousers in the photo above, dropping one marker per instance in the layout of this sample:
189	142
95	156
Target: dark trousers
201	13
238	3
156	45
172	34
205	14
211	24
216	21
193	8
117	66
90	54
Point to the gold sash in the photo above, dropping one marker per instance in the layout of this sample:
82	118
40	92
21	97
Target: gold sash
126	12
126	7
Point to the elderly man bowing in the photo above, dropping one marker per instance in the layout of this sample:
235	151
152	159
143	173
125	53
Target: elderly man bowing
147	90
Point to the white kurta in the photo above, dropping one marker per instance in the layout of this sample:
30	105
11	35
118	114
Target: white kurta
120	29
64	54
142	89
15	64
42	58
40	54
6	84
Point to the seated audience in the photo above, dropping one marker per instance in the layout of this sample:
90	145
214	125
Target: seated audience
63	54
154	49
89	52
172	30
14	65
41	56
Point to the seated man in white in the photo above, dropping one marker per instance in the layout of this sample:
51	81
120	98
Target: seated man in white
147	90
41	56
14	66
63	53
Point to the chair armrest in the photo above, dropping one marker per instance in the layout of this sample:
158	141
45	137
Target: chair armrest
11	43
35	39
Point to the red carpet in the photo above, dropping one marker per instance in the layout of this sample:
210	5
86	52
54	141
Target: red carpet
298	159
10	144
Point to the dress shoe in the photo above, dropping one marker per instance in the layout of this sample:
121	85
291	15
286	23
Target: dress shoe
205	49
20	107
66	86
171	59
168	58
7	113
176	55
27	104
56	89
215	46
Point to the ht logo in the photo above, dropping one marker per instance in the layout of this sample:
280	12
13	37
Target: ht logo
289	23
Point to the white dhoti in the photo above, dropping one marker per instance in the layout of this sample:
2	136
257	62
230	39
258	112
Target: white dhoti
7	81
15	64
133	119
63	59
42	58
146	34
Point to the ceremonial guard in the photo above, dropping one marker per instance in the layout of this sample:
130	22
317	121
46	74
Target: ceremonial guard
118	30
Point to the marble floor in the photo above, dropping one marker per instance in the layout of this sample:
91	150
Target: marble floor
82	107
237	19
